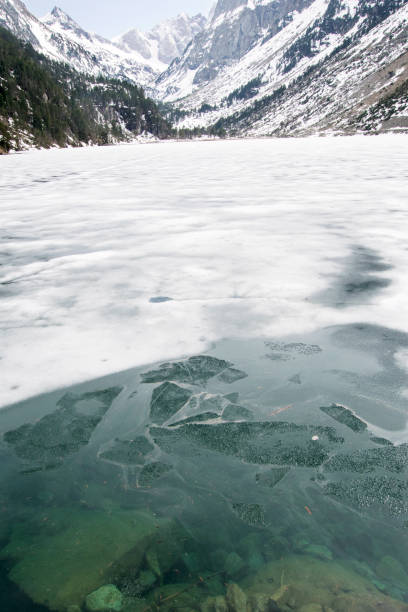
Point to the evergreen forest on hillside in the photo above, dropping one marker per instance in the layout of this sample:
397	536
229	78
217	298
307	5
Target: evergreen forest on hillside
45	103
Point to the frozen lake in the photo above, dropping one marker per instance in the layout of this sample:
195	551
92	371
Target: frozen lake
246	239
204	360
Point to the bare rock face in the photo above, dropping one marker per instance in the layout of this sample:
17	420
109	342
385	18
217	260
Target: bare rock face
261	602
214	604
235	27
236	598
294	68
58	563
106	599
169	37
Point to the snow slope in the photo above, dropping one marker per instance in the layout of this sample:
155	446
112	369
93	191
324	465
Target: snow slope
333	57
90	236
164	42
59	37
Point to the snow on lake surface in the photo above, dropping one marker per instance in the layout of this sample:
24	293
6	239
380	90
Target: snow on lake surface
122	256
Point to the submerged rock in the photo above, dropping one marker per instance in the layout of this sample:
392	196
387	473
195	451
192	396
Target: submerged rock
255	561
345	417
146	580
391	569
194	370
220	604
167	399
218	559
297	583
45	444
62	557
233	564
260	602
319	551
152	561
106	599
179	596
192	562
166	550
236	598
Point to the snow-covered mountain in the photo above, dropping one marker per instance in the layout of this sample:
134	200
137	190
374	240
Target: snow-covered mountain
255	67
290	66
165	41
59	37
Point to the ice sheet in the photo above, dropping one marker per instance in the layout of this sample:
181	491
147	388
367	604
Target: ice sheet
254	238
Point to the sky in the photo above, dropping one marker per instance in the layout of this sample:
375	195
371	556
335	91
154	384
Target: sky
110	18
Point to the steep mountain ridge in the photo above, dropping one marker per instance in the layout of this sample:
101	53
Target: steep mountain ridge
164	42
235	28
255	67
61	39
309	69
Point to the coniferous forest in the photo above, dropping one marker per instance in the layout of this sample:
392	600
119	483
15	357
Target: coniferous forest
45	103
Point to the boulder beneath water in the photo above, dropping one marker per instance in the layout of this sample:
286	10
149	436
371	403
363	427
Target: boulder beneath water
391	569
63	556
214	604
320	551
236	598
106	599
301	582
233	564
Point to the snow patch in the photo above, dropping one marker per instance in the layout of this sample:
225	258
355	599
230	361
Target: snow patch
241	234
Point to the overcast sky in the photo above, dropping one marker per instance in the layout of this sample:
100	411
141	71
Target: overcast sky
112	17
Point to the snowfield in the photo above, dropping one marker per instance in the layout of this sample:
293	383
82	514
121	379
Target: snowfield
251	238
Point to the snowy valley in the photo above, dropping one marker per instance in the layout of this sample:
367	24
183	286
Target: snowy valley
253	67
203	338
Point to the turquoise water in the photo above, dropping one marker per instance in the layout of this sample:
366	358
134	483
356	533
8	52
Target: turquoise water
265	475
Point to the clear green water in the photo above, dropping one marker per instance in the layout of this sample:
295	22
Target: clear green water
269	475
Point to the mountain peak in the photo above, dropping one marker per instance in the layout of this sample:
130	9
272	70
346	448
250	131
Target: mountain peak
167	40
58	14
60	17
